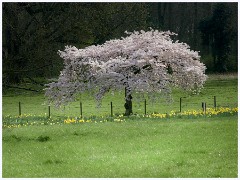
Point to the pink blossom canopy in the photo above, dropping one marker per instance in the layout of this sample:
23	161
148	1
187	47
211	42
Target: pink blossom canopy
142	62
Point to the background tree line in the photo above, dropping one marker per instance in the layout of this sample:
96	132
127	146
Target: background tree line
34	32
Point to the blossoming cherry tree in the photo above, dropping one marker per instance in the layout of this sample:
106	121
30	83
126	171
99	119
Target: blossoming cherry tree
140	62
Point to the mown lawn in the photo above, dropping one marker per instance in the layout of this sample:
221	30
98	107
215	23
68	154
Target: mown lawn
201	147
136	147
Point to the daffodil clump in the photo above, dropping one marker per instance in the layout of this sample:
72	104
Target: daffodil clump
30	120
196	113
75	120
100	120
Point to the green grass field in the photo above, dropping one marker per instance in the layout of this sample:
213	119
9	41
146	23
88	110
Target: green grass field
222	86
205	147
184	146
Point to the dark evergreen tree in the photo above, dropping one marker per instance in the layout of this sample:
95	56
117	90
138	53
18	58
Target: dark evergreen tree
32	33
217	32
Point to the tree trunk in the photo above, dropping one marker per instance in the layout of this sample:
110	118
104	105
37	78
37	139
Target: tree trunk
195	27
128	103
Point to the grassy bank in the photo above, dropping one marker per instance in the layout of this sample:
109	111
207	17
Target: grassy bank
224	87
203	147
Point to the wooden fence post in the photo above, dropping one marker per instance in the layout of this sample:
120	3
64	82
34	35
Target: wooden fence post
145	106
19	108
111	110
204	107
215	102
81	109
49	112
180	104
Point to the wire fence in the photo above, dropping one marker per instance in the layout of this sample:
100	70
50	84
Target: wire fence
116	107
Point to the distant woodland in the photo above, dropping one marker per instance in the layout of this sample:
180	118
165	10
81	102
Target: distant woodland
32	33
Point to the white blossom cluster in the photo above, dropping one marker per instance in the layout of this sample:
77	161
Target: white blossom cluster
141	62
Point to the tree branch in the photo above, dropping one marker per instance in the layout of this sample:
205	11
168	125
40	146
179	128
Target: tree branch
16	87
